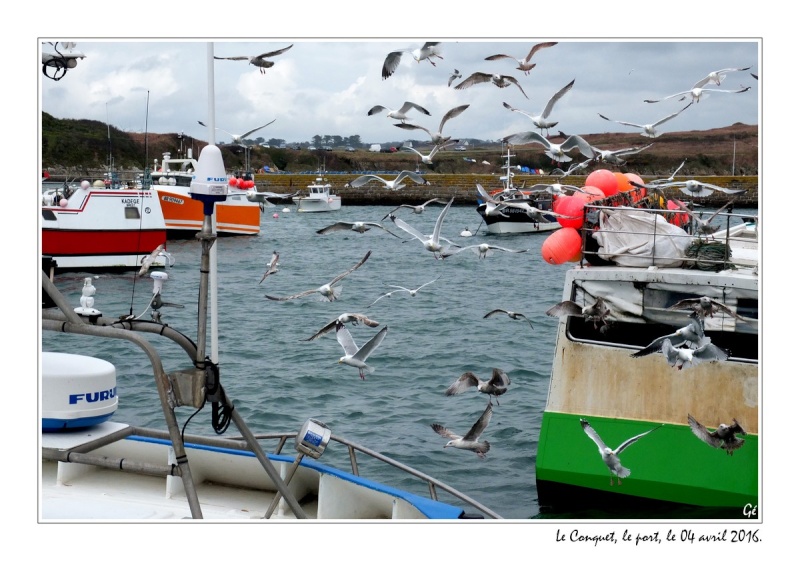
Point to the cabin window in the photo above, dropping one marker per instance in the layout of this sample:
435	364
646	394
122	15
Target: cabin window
642	316
132	212
48	214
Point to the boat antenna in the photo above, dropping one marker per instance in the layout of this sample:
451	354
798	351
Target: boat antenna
146	181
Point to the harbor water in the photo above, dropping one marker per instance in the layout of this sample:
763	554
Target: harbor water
277	380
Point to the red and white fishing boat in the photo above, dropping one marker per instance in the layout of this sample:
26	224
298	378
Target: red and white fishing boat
239	214
90	227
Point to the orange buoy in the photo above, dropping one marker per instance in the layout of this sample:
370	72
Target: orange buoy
573	208
604	180
638	193
561	246
623	185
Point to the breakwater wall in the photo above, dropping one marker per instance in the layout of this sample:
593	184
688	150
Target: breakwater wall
462	187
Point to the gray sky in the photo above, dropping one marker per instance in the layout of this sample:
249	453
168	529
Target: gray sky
326	87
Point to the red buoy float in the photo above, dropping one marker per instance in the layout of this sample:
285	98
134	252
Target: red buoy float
561	246
571	207
603	179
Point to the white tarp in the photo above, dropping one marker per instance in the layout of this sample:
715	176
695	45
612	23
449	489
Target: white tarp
633	238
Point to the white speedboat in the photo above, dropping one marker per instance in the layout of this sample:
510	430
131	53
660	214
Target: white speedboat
90	227
318	198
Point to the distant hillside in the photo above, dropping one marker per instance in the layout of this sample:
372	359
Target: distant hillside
81	147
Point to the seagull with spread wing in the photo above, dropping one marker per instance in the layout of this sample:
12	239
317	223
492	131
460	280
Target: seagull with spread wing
499	80
695	188
428	51
702	225
327	291
596	312
509	313
525	64
355	356
411	291
261	61
272	266
649	129
556	151
495	386
724	436
399	114
392	184
613	156
238	138
706	307
540	121
717	76
611	457
685	356
696	94
470	440
437	137
416	209
692	334
426	158
359	227
482	250
347	317
453	77
432	242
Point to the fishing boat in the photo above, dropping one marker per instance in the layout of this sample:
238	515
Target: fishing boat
95	468
318	197
238	214
518	219
646	286
89	227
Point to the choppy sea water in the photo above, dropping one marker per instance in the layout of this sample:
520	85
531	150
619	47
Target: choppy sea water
277	381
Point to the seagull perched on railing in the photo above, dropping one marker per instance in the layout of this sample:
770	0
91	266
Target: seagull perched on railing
391	184
428	51
540	121
238	138
556	151
259	60
400	114
524	64
436	137
649	129
499	80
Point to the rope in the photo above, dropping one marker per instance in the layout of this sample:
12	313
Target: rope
709	255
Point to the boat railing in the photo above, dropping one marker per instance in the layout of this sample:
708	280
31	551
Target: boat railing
732	243
66	320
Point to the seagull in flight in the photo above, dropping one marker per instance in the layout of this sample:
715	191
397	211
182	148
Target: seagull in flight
437	137
359	227
696	94
400	114
659	182
717	76
723	437
394	184
499	80
596	312
238	138
611	457
613	156
706	307
260	60
511	314
453	77
702	225
470	440
416	209
431	242
495	386
345	318
649	129
695	188
684	356
411	291
692	334
482	250
556	151
428	51
355	356
524	64
426	159
272	266
328	291
540	121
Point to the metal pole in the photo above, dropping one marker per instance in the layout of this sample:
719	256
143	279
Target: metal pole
289	475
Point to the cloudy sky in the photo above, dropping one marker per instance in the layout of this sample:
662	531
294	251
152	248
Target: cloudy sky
326	87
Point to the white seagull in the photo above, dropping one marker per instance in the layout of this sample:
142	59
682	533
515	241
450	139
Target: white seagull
597	312
428	51
696	94
359	227
659	182
454	76
259	60
611	457
540	121
391	184
495	386
702	225
416	209
683	356
470	440
354	356
426	159
437	137
400	114
499	80
717	76
411	291
695	188
649	129
723	437
613	156
431	242
556	151
511	314
692	334
328	291
482	250
238	138
524	64
706	307
272	266
347	317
